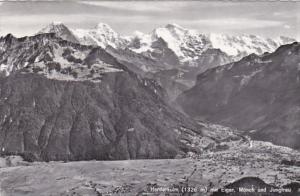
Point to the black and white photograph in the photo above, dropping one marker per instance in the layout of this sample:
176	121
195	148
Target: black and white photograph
149	98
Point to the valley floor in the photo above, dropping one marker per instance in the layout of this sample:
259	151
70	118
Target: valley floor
273	164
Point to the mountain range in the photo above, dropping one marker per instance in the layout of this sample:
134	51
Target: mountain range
183	52
94	94
188	45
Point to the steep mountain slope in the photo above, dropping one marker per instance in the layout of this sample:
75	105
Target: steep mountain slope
259	94
64	101
60	30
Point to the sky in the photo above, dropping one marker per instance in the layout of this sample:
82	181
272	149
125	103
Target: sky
267	18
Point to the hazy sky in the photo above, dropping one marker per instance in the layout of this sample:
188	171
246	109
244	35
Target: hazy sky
262	18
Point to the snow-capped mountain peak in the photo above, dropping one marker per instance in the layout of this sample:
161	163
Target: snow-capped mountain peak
53	27
60	30
107	32
242	45
181	31
102	35
104	27
57	23
138	34
172	36
171	30
185	43
174	26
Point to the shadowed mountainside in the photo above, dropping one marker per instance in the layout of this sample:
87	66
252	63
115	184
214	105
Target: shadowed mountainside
258	94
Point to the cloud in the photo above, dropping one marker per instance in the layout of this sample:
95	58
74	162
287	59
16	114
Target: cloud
236	23
285	14
72	18
280	14
162	6
286	26
138	6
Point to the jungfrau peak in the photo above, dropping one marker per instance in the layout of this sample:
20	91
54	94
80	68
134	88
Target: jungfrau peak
241	45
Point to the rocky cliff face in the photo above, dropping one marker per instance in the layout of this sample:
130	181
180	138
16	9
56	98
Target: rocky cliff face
104	111
258	94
